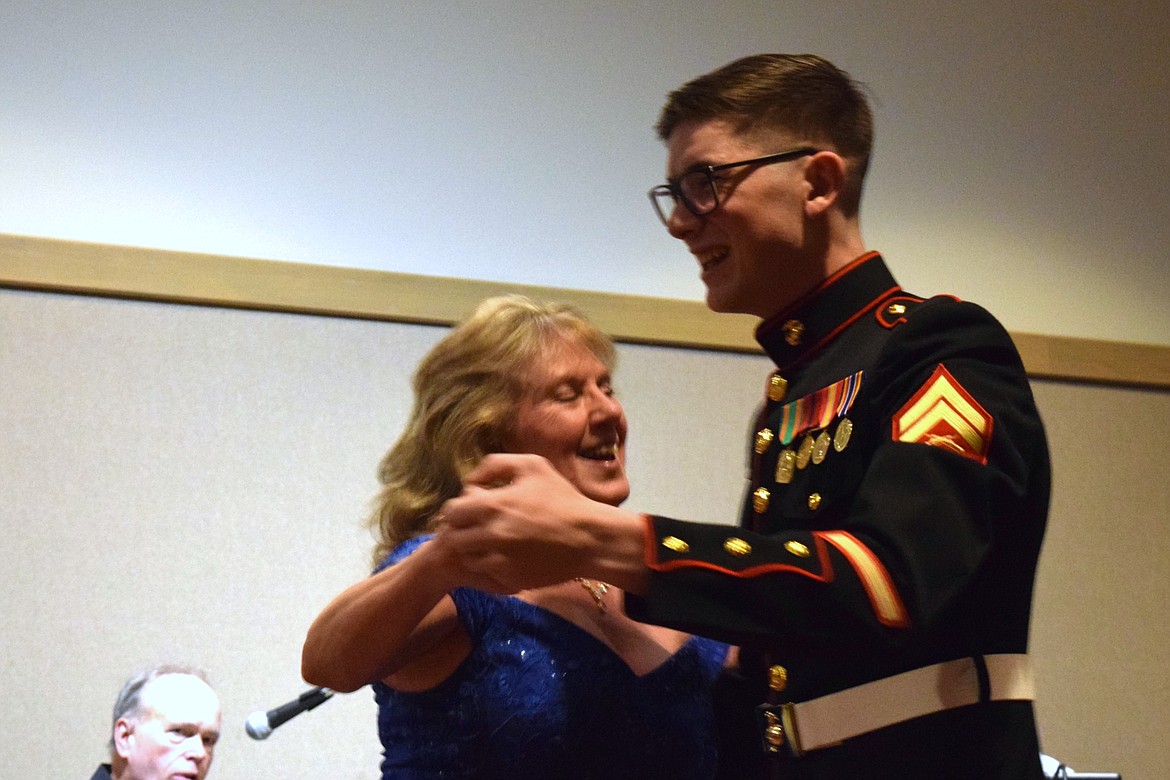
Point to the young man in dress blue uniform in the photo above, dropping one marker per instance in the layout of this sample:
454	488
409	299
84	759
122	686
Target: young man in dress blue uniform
880	580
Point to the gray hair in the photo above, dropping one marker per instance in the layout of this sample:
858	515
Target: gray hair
129	701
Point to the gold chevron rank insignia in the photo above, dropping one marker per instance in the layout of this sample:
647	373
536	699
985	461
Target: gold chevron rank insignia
943	414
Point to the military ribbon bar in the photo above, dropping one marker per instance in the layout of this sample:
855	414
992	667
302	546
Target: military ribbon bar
818	409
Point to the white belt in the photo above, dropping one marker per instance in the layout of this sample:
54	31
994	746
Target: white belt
833	718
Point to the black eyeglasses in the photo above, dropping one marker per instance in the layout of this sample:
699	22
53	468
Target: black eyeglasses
697	190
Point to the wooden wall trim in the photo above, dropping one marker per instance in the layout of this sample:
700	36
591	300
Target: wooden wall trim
213	280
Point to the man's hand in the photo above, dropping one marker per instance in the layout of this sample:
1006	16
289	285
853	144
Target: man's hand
522	525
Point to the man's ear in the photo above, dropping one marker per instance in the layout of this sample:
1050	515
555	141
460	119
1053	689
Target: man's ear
123	737
825	174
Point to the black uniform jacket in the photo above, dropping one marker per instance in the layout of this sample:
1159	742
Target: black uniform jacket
898	497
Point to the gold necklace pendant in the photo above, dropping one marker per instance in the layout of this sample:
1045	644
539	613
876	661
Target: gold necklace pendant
597	590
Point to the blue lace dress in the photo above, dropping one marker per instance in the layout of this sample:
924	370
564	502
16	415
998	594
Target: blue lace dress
539	697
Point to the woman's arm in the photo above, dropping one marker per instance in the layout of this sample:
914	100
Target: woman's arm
384	622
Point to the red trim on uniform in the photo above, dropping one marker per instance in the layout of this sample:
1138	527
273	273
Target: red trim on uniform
845	269
754	571
826	565
879	313
879	586
825	283
860	313
650	543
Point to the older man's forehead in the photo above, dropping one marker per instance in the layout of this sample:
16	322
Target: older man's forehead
181	698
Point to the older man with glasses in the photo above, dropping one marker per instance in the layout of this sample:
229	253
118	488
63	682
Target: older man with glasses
880	580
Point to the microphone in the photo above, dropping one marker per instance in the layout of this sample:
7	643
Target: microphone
260	723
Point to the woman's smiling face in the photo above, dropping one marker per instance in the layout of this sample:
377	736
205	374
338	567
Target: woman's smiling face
569	415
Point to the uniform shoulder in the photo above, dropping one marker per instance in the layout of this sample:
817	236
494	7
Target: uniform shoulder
942	326
899	308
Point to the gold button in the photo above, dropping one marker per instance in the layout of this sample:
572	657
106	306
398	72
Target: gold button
896	308
777	387
737	547
814	501
760	500
675	544
797	549
777	678
793	332
763	439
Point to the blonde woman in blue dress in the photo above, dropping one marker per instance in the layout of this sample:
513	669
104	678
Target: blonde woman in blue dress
471	682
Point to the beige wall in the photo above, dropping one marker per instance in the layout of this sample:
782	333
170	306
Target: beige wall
186	481
1100	634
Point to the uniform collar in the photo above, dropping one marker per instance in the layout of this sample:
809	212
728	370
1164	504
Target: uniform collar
806	327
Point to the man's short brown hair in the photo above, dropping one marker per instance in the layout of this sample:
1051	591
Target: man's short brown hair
800	94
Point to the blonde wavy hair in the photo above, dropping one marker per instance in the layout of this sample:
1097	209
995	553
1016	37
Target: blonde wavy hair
466	391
